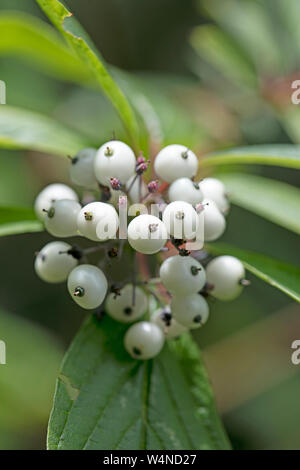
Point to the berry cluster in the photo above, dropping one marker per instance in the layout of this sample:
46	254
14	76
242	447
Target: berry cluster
112	175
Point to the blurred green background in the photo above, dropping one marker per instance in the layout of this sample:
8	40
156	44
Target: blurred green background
218	74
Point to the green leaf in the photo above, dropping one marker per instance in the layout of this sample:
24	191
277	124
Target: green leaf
30	38
167	118
273	200
280	154
14	220
290	120
279	274
65	22
22	129
106	400
32	357
249	24
217	48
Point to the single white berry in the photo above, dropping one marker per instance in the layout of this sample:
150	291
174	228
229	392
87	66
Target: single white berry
144	340
87	285
53	263
214	221
164	320
182	275
225	274
128	306
147	234
114	159
181	220
61	218
190	311
215	190
98	221
175	161
136	189
82	169
184	189
50	194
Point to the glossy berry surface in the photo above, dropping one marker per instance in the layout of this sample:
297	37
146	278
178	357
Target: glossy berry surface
215	190
96	213
50	194
181	220
225	274
182	275
129	305
53	263
144	340
184	189
167	323
147	234
82	169
61	218
114	159
87	285
190	311
175	161
214	221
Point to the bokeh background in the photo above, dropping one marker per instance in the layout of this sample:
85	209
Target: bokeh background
218	74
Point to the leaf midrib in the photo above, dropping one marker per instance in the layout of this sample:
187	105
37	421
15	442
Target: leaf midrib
121	382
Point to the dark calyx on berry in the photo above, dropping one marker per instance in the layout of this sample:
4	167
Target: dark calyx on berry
195	270
79	292
136	351
185	154
127	310
75	252
88	216
113	252
197	319
166	317
115	290
184	252
108	152
177	242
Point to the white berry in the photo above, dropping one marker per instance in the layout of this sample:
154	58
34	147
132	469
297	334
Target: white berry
184	189
114	159
128	306
82	169
61	218
165	321
50	194
175	161
147	234
181	220
214	221
144	340
214	189
98	221
182	275
190	311
225	274
87	285
136	190
53	263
